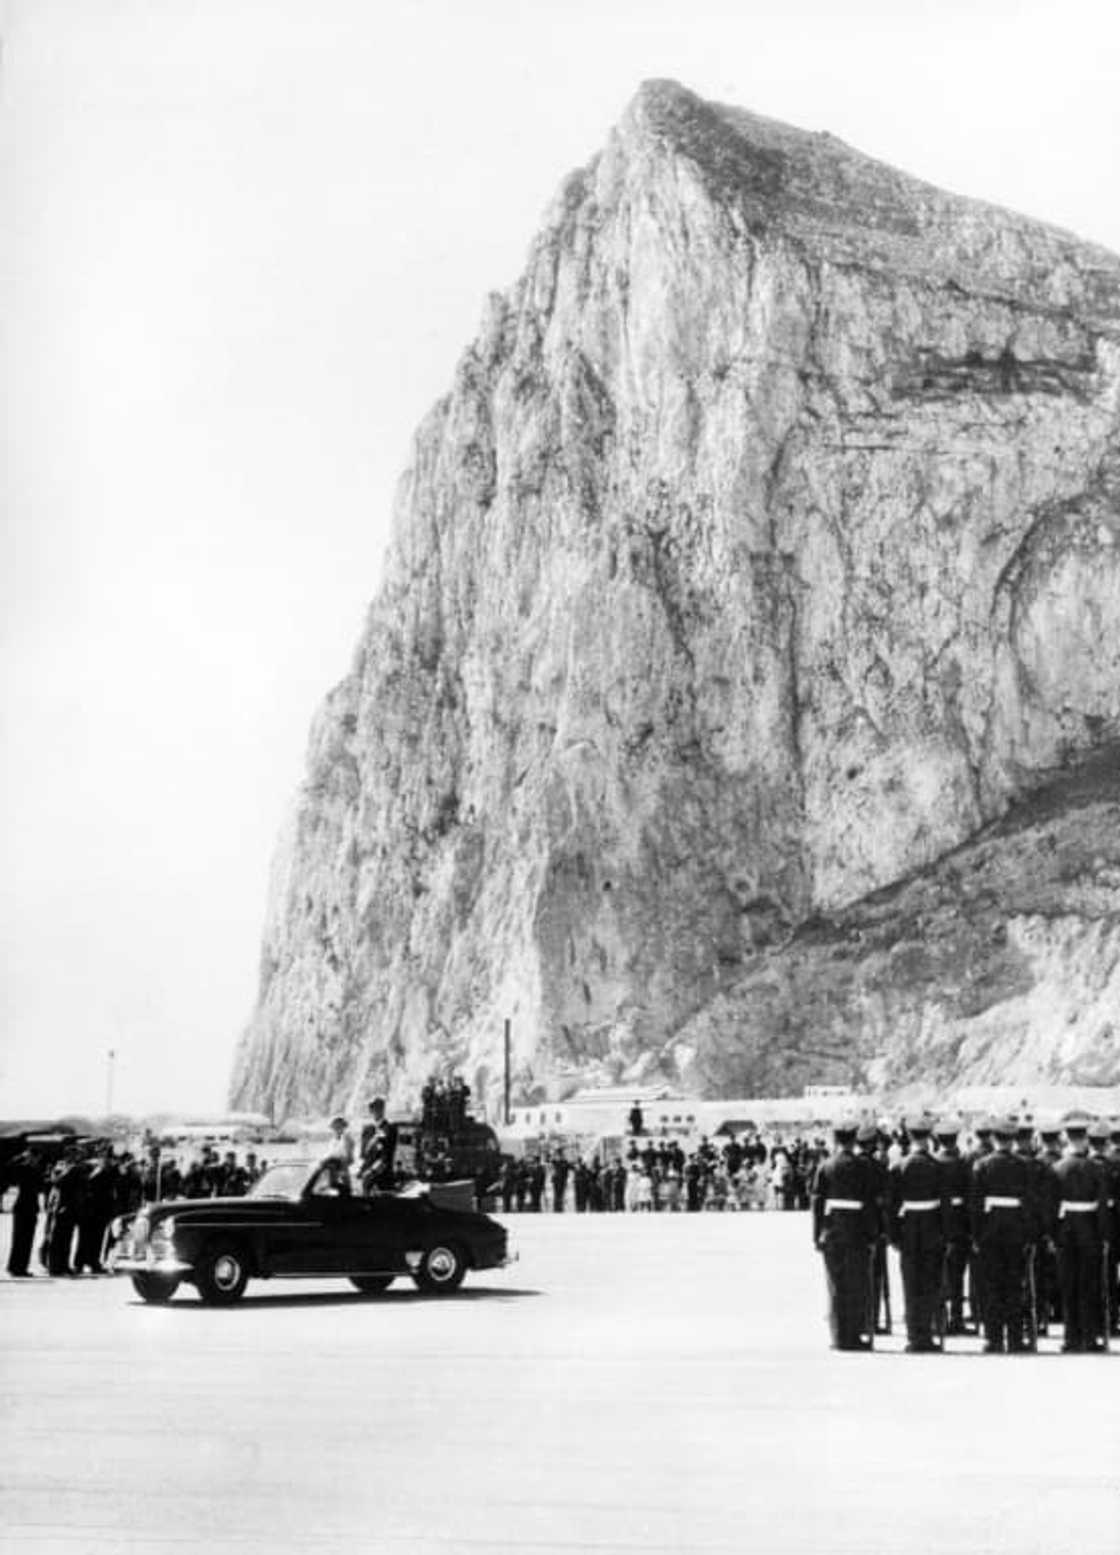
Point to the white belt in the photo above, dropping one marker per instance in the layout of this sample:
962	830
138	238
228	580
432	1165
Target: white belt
831	1204
910	1206
996	1202
1076	1207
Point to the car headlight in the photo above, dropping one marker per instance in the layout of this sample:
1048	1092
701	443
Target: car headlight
163	1238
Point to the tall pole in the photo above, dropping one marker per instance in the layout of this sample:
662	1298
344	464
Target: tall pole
110	1060
507	1075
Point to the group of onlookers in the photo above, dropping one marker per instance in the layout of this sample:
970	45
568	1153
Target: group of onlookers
660	1175
444	1104
62	1209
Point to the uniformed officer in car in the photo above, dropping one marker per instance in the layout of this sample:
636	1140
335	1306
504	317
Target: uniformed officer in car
378	1150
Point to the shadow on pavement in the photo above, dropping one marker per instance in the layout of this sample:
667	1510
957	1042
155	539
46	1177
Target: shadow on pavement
186	1301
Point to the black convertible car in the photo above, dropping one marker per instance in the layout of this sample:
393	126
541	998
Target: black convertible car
300	1221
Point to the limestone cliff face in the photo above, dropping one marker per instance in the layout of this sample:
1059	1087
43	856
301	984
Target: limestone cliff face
765	549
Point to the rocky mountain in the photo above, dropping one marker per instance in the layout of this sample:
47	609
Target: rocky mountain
761	563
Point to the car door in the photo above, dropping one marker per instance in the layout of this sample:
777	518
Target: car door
297	1239
372	1235
336	1228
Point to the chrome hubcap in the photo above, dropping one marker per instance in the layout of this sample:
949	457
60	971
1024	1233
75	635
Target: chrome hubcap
227	1271
441	1264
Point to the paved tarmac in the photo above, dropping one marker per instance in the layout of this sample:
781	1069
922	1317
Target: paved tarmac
635	1384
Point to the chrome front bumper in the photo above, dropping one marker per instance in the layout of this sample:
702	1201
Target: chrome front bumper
149	1263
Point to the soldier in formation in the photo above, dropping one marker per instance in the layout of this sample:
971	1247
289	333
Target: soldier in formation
917	1229
846	1216
1006	1215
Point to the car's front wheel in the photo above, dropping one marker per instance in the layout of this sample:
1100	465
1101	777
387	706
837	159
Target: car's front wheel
441	1269
223	1275
156	1289
371	1284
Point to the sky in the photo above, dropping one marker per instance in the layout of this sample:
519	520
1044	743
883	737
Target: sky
243	244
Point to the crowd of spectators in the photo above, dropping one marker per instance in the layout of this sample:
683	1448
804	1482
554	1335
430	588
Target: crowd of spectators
650	1175
62	1209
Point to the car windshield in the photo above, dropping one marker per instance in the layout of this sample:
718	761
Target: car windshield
281	1182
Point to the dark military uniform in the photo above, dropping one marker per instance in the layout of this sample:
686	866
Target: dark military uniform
917	1222
1082	1226
1046	1260
868	1141
956	1177
1034	1317
94	1214
63	1205
845	1218
981	1149
1001	1214
1113	1159
1109	1169
378	1152
26	1177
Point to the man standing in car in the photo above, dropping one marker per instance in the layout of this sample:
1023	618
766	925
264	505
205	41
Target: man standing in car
379	1148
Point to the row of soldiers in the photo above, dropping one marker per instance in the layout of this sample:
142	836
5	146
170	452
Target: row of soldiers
89	1185
1032	1228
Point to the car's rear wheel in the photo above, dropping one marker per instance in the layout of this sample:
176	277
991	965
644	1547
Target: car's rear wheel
441	1269
371	1284
223	1275
155	1288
